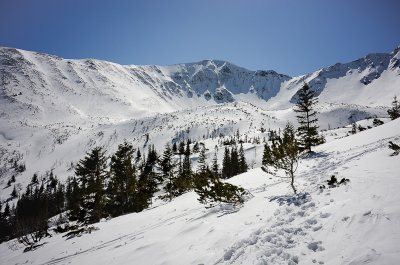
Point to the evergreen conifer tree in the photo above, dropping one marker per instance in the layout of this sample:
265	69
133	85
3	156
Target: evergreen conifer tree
242	160
7	210
305	107
283	153
212	191
138	156
215	166
394	112
73	199
35	179
167	166
91	172
226	164
187	173
202	164
148	180
181	149
395	148
174	148
14	193
122	187
234	162
353	128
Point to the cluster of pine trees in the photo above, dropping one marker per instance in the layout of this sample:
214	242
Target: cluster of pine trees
124	183
208	182
28	220
234	162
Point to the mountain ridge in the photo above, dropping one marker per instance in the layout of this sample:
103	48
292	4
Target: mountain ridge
174	87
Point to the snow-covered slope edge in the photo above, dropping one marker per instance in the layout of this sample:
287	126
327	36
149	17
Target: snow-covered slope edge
357	223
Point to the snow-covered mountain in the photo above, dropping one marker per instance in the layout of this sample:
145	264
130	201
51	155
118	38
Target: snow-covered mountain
53	110
46	86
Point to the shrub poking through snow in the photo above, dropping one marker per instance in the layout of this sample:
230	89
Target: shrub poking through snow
395	148
212	191
377	122
79	231
333	182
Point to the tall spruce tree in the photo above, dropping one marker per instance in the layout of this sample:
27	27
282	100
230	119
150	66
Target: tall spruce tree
7	210
122	187
215	166
181	149
394	112
174	148
73	198
234	162
14	193
91	172
167	167
202	164
226	164
242	160
148	179
305	107
187	173
138	156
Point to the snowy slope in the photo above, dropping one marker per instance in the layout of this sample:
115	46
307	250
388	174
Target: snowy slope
357	223
53	110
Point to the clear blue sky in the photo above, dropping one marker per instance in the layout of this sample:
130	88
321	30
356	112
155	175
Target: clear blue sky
289	36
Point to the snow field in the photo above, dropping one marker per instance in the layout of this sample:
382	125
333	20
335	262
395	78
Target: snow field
350	224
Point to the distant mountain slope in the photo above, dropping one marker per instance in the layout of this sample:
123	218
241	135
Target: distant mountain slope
369	81
46	88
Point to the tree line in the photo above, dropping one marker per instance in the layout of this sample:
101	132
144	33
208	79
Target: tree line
123	183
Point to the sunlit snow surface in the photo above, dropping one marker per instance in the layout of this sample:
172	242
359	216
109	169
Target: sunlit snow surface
67	107
357	223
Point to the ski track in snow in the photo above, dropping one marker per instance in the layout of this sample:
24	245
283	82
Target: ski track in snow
117	242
